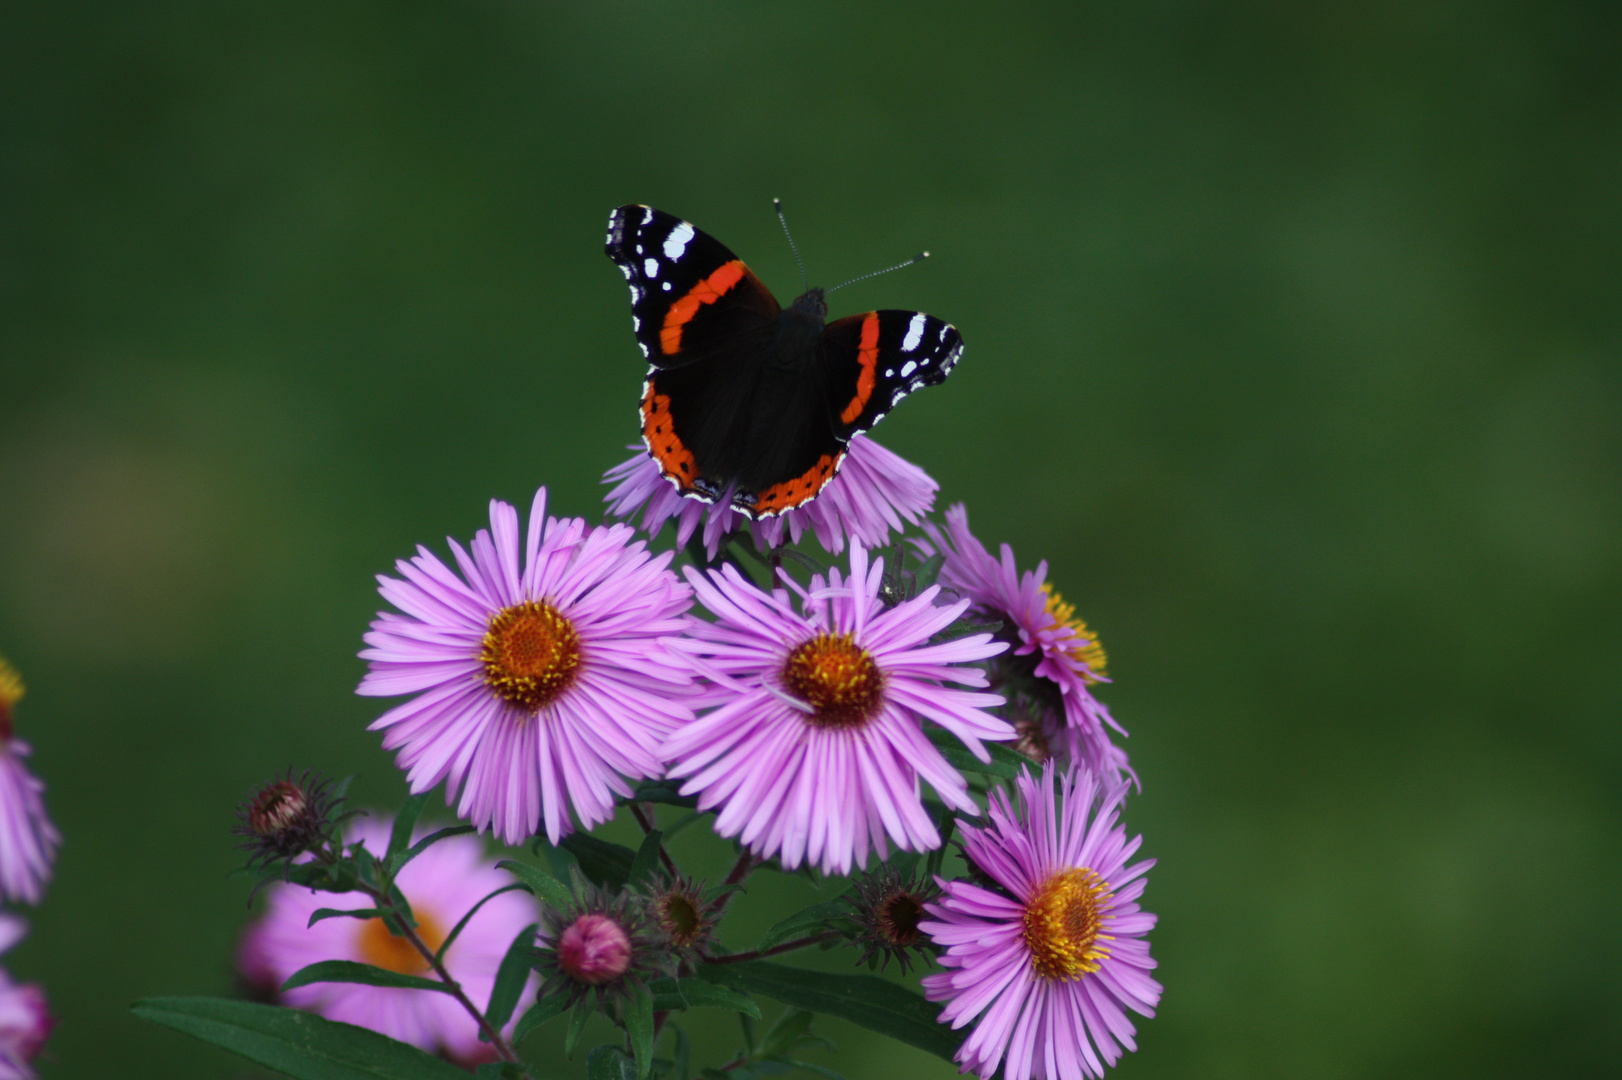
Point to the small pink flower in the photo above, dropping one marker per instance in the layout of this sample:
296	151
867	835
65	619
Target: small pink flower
25	1023
28	840
594	949
874	493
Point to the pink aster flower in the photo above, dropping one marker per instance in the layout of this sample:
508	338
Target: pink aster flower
441	885
1055	652
25	1023
816	748
539	686
1052	960
874	493
28	840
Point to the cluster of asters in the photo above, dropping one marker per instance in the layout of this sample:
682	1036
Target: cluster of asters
28	843
551	666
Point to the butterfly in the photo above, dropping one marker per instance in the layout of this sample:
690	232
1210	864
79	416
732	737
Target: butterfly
747	401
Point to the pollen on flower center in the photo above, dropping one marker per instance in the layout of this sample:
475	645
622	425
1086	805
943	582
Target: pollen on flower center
1084	646
11	692
1063	923
531	654
836	677
382	949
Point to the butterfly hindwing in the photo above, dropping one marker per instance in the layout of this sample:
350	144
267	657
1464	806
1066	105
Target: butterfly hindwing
871	361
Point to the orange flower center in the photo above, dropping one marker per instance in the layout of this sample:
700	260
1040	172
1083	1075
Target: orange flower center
837	678
382	949
531	654
1063	923
1084	646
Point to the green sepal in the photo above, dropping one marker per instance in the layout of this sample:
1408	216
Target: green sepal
963	628
803	922
510	979
296	1043
351	971
873	1003
543	885
639	1026
646	860
671	995
608	1062
928	571
663	791
606	864
577	1023
1004	763
539	1013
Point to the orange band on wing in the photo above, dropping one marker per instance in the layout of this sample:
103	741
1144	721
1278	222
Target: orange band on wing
791	493
868	356
659	433
707	291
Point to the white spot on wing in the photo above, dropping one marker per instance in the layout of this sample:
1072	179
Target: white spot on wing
651	268
908	368
676	242
915	332
666	286
647	218
644	349
626	270
636	324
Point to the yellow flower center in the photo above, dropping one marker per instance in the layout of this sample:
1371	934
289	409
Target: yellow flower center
11	692
531	654
837	678
382	949
1062	924
1084	646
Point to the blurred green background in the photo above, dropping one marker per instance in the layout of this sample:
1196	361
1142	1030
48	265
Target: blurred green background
1293	346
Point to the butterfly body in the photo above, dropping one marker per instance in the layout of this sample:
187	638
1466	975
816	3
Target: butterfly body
746	400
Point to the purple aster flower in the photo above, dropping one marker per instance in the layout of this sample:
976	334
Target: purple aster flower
1055	653
25	1023
441	885
539	686
28	840
1051	959
816	746
874	493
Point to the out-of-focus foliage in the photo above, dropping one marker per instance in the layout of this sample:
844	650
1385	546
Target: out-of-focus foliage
1293	345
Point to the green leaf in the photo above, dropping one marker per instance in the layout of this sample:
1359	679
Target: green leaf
928	571
300	1044
684	1053
639	1026
864	1000
647	858
404	822
803	923
456	932
349	971
608	1062
542	884
820	1070
670	995
664	791
398	860
538	1014
1004	762
792	1031
340	790
510	979
608	865
577	1023
499	1070
347	913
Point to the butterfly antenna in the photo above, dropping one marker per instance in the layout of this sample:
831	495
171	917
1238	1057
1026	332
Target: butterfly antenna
777	204
918	258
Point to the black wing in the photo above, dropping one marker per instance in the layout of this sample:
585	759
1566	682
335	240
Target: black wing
872	361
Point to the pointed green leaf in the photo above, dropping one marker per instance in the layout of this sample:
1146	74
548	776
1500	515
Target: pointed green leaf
684	1053
1004	762
647	858
792	1030
864	1000
542	884
608	865
577	1023
299	1044
456	932
664	791
608	1062
928	571
803	923
349	971
320	914
538	1014
510	979
639	1026
398	860
670	995
404	822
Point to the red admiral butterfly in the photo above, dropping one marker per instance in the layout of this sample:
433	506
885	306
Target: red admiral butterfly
744	396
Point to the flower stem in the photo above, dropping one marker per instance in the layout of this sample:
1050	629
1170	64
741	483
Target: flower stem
645	819
787	946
